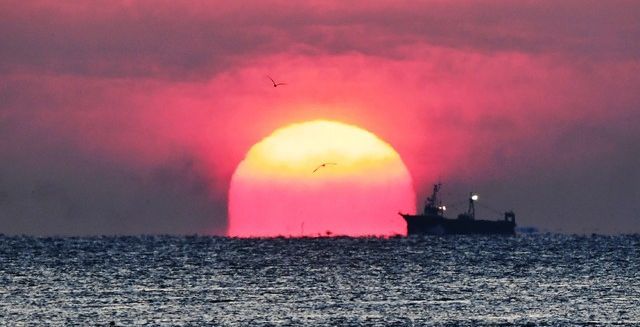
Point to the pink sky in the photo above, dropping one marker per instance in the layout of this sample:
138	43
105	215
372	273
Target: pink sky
120	117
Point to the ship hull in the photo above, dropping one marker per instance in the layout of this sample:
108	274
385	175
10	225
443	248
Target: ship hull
438	225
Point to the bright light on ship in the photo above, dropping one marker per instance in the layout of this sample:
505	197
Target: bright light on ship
474	197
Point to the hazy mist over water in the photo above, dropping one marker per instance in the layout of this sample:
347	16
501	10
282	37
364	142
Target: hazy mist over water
178	281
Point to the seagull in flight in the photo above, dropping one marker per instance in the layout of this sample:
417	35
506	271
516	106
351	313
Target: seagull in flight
274	82
324	165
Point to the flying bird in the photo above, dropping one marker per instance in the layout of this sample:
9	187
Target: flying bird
274	82
324	165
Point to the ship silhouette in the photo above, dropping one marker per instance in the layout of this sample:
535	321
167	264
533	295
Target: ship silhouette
432	221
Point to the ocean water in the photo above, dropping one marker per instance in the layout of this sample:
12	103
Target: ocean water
191	281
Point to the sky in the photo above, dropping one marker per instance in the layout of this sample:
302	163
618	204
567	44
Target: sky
130	117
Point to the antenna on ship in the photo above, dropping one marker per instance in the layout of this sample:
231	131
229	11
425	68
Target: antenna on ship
473	197
433	206
433	199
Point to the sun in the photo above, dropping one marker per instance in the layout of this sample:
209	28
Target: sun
320	178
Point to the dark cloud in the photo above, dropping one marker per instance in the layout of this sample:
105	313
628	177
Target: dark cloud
171	40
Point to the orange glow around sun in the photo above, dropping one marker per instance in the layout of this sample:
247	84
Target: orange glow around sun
281	189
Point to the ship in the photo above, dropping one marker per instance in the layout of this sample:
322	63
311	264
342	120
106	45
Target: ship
433	221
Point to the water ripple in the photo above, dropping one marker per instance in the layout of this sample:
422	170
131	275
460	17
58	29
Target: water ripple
186	281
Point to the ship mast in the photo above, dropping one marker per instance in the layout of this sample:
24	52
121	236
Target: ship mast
471	212
433	199
433	206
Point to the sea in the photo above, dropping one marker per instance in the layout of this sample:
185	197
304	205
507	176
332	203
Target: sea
523	280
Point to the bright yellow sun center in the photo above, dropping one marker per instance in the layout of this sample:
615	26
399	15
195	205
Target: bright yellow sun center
297	150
